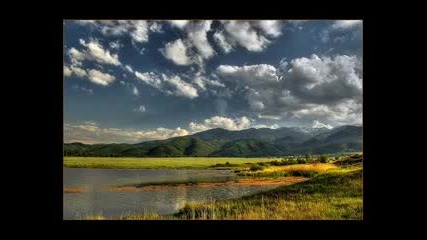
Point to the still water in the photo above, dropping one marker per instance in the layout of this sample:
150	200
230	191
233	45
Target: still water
97	200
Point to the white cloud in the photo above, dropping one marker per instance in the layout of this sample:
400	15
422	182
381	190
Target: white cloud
220	39
93	52
176	51
179	23
251	75
129	68
245	35
135	91
169	84
180	87
91	133
140	109
270	27
194	47
252	35
97	53
220	122
271	117
273	126
67	71
197	35
80	72
150	78
76	57
116	45
140	31
327	89
345	24
100	78
156	27
201	81
339	31
317	124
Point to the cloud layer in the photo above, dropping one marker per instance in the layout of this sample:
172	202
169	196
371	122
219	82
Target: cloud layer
329	88
89	132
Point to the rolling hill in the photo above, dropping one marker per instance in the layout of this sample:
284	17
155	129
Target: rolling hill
218	142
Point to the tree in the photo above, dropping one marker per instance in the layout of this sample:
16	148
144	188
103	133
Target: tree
323	159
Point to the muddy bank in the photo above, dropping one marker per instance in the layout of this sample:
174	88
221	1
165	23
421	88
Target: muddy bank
240	182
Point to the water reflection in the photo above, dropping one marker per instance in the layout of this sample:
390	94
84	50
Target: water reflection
96	200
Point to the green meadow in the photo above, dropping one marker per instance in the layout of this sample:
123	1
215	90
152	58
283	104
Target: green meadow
157	163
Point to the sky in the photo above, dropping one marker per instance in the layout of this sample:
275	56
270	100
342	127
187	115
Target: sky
130	81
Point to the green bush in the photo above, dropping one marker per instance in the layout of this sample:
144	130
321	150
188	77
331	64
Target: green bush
304	173
323	159
256	168
301	161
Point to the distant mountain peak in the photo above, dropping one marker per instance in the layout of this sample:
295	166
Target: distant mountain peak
317	124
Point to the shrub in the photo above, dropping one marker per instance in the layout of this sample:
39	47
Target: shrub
304	173
301	161
323	159
256	168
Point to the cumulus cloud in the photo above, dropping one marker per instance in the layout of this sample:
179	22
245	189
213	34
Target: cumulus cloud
324	80
156	27
178	23
138	30
67	71
150	78
252	35
317	88
193	47
251	75
203	82
93	51
220	39
100	78
176	51
270	27
180	87
197	36
317	124
80	72
169	84
74	70
220	122
90	133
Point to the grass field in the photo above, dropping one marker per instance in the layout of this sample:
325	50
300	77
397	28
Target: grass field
332	195
156	163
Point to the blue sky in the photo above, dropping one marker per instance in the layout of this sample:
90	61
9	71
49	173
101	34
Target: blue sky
132	81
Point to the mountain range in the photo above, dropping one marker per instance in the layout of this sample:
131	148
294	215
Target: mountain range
218	142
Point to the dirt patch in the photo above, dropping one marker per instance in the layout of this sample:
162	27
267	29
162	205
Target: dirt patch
240	182
74	190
